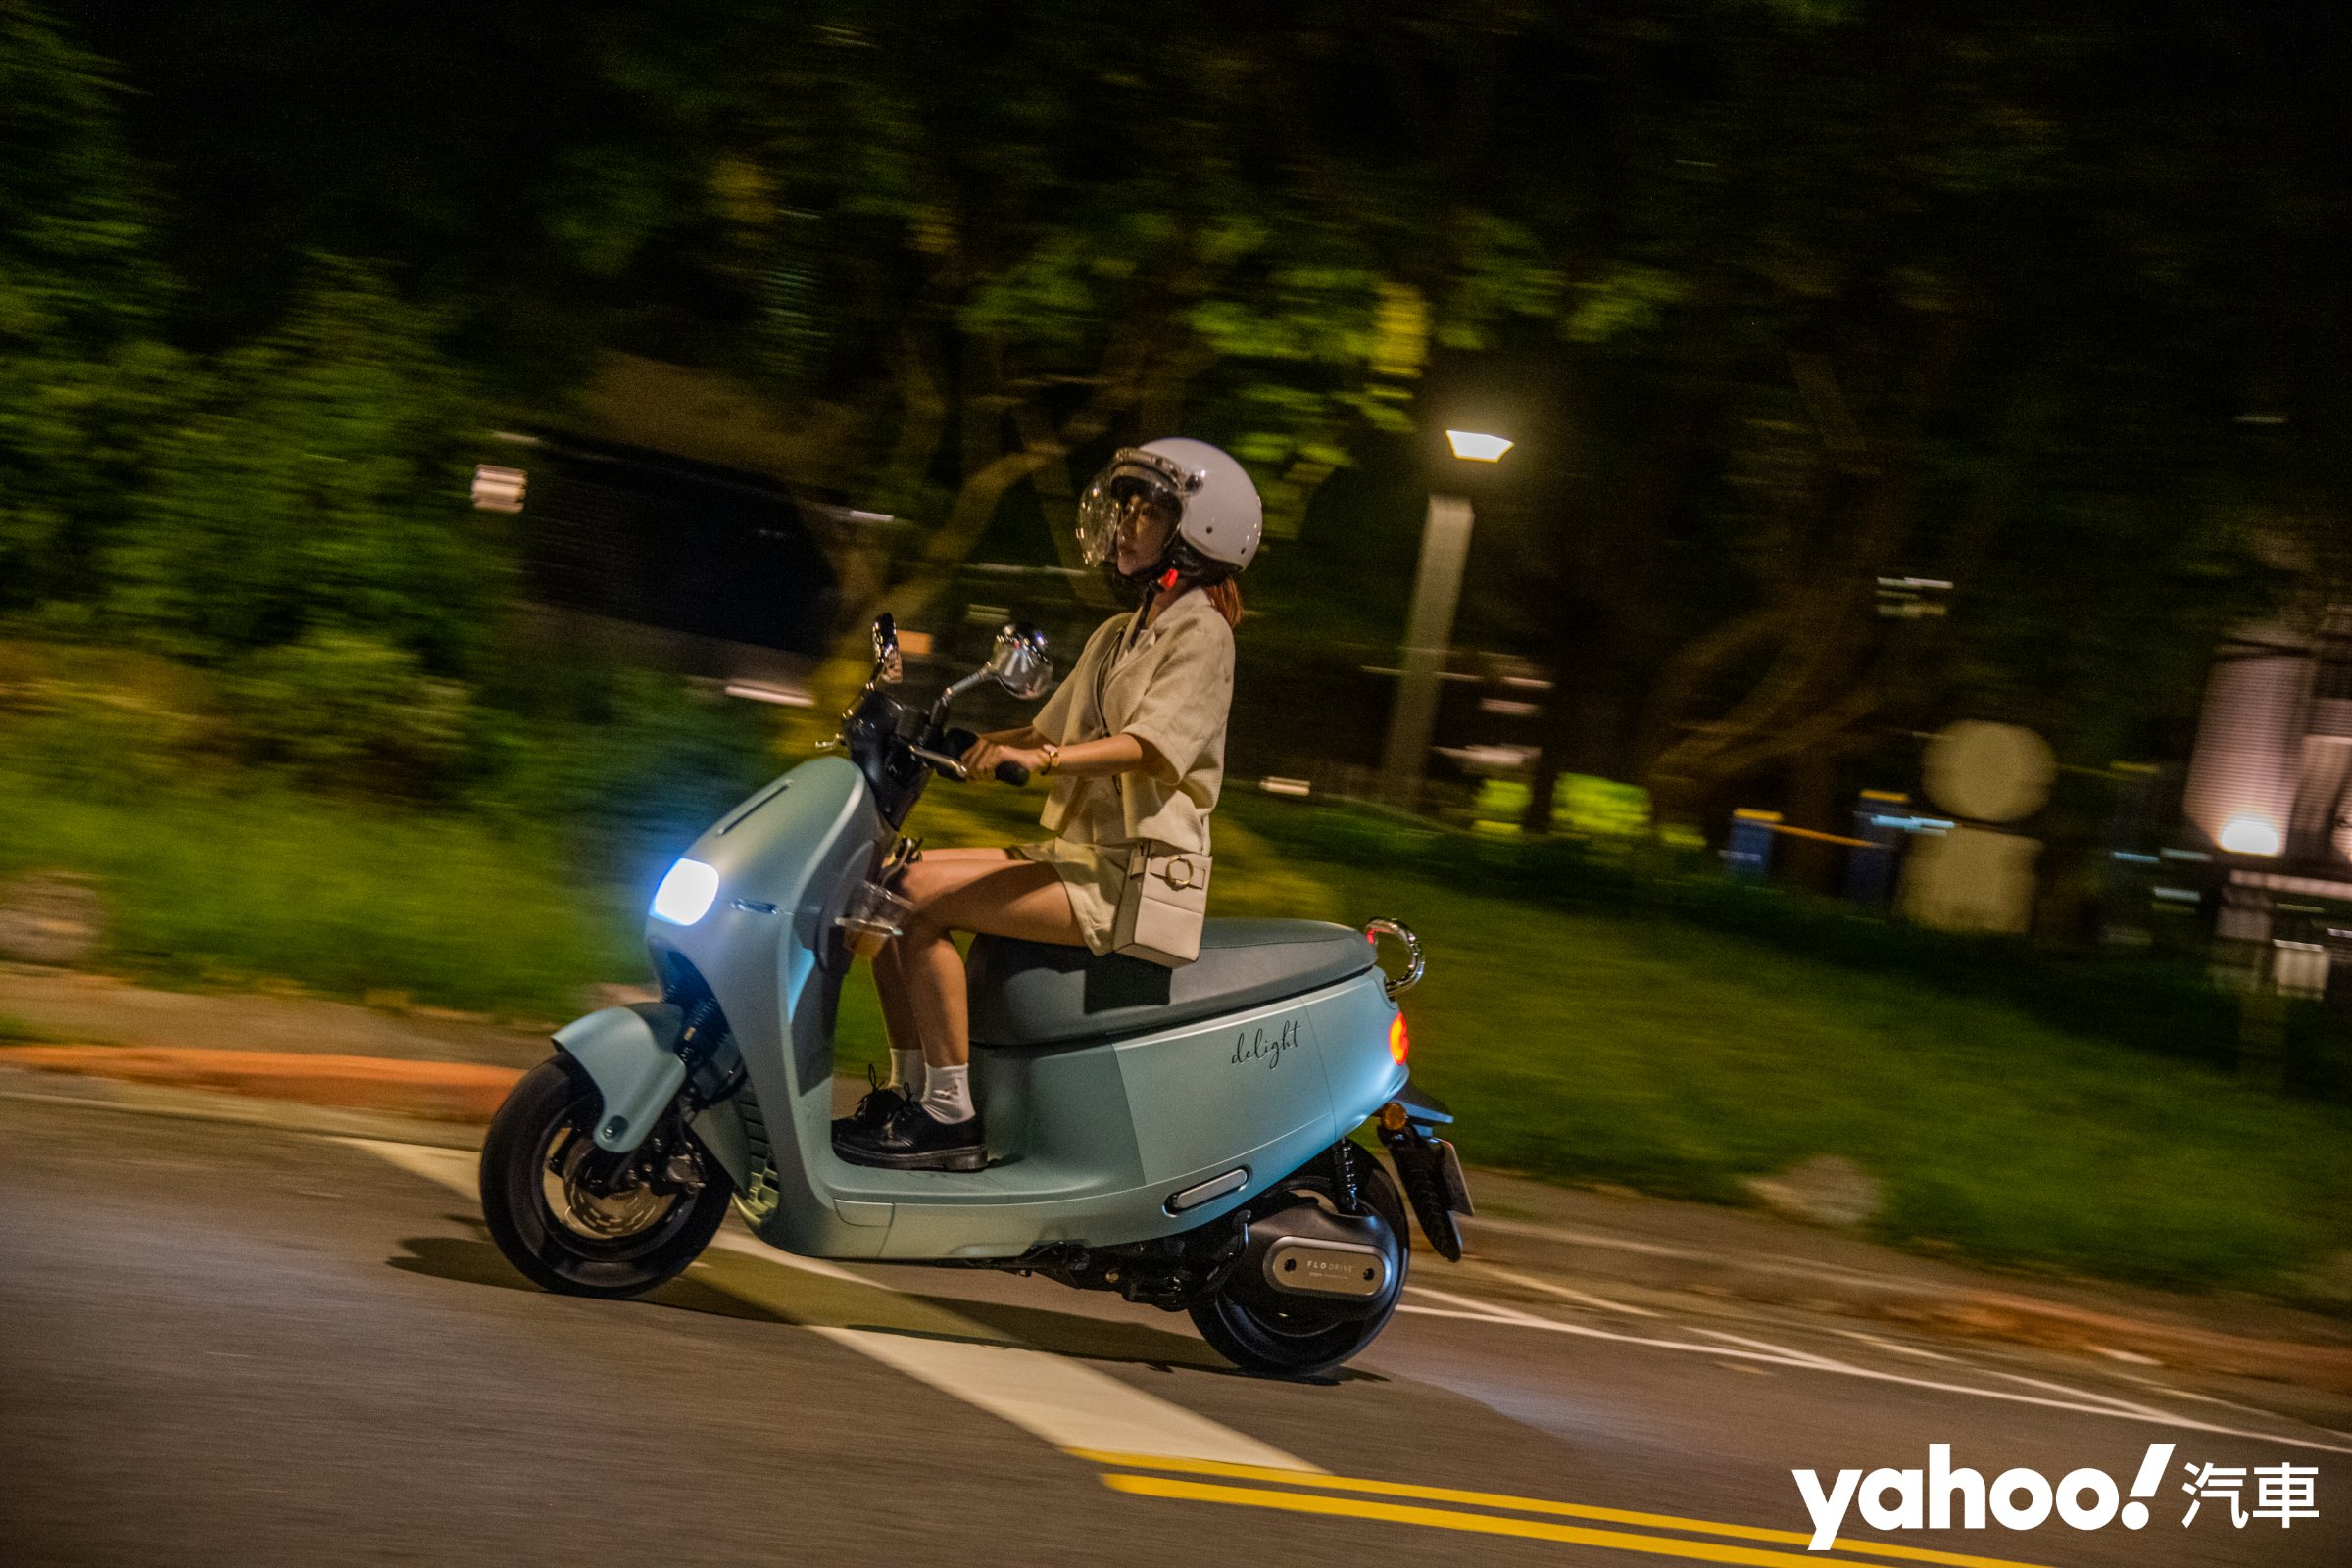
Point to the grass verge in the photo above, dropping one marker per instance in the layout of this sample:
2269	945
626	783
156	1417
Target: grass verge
220	889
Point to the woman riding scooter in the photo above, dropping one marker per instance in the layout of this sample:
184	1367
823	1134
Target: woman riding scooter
1134	742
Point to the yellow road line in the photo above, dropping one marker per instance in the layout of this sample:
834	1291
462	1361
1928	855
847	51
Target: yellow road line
1497	1500
1483	1524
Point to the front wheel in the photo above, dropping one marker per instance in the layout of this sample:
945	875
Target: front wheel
576	1219
1301	1338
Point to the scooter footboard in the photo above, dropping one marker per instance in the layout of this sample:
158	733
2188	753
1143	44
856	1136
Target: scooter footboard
630	1053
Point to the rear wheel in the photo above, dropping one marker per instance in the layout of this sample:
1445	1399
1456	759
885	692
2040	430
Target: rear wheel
1303	1336
581	1221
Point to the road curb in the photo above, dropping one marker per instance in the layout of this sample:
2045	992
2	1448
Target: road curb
437	1091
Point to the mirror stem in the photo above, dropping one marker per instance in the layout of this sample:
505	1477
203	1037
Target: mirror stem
939	709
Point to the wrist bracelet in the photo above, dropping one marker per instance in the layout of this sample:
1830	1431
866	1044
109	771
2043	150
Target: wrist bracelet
1052	756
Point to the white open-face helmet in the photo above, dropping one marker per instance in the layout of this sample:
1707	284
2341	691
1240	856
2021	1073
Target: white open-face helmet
1218	516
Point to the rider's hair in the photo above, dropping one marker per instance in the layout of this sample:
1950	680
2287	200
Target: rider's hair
1226	595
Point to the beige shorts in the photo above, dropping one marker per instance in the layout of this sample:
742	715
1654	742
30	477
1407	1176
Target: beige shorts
1093	875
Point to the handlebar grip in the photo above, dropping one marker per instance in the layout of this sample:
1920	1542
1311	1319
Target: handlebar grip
1011	773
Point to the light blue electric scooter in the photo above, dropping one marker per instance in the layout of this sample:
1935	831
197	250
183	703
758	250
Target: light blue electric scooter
1180	1135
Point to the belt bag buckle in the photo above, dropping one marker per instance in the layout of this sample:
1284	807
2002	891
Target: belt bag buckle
1163	905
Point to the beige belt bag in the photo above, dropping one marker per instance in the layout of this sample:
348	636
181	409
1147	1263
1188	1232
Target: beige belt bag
1162	905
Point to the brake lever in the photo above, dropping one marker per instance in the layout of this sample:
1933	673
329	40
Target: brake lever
946	765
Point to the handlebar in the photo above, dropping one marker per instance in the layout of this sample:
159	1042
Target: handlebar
1007	772
946	765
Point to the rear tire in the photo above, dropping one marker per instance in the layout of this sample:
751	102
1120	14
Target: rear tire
558	1233
1305	1341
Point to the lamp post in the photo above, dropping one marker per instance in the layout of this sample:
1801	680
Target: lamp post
1429	624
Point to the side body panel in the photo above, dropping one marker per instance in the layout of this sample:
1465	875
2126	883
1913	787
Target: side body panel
1091	1141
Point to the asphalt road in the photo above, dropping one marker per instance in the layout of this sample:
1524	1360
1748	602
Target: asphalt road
228	1343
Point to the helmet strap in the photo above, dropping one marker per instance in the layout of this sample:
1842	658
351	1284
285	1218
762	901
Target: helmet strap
1180	565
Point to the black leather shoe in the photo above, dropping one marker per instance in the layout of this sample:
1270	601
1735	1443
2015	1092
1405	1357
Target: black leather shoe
879	1104
914	1139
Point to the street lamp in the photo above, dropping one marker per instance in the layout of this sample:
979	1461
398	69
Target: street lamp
1472	446
1429	624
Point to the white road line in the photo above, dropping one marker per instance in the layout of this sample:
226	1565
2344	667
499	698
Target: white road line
2058	1388
1565	1292
1493	1311
1067	1402
750	1246
2172	1393
1898	1347
1523	1320
2136	1408
1806	1357
458	1169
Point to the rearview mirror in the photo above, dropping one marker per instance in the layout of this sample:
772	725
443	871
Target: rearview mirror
888	667
1019	663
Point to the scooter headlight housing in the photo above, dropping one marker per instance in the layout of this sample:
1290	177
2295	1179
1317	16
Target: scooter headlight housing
686	894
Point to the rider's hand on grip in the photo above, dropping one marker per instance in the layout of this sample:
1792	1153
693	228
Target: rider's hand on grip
1011	773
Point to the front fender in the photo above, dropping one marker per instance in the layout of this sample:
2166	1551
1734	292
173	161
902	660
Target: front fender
630	1054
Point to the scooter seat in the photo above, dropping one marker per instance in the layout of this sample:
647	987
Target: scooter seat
1040	994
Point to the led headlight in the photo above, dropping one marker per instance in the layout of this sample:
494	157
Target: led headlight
2249	833
684	896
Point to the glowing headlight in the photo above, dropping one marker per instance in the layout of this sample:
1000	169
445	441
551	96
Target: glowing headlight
2250	833
684	896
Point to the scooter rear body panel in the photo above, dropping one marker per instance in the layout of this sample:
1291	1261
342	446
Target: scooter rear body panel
1091	1143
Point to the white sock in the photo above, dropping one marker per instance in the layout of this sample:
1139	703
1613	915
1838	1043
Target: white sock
948	1093
907	1072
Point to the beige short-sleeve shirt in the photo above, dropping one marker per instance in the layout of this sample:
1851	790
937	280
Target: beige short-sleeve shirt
1171	684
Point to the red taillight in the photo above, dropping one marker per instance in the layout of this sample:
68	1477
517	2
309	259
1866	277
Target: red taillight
1399	1042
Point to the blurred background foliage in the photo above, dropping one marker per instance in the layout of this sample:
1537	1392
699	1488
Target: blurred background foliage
1779	298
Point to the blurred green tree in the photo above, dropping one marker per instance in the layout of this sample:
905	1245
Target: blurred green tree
2045	300
318	486
82	371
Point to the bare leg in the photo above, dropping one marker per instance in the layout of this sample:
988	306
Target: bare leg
889	980
890	983
997	895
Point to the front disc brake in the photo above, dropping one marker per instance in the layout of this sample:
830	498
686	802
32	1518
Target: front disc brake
595	1204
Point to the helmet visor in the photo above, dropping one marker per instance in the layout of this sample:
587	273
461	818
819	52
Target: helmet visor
1140	493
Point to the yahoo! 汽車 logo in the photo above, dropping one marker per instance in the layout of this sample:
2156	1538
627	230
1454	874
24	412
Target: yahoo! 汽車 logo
2022	1499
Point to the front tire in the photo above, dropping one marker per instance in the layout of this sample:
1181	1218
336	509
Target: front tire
1302	1340
558	1228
